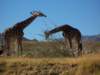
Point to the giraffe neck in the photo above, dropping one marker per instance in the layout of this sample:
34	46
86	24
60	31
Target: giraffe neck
58	29
22	25
62	28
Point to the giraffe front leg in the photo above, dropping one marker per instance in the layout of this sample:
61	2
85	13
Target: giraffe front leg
20	49
7	46
70	43
66	44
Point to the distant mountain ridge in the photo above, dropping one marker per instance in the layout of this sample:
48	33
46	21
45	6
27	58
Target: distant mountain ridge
1	37
92	38
89	38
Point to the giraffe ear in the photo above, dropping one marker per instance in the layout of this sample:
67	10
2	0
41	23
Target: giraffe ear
35	12
32	12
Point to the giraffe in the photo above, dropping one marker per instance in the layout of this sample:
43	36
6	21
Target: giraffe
69	33
16	32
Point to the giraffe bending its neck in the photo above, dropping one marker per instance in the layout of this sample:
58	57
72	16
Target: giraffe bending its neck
16	32
69	33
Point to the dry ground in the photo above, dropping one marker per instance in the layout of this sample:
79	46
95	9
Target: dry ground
84	65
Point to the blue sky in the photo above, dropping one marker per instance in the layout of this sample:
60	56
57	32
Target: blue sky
82	14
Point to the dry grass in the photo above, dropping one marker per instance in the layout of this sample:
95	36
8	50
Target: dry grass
84	65
52	58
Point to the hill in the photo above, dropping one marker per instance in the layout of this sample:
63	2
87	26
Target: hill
87	38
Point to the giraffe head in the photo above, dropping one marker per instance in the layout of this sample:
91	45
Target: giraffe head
46	33
38	13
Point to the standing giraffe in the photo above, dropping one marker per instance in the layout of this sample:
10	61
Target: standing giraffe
69	33
16	33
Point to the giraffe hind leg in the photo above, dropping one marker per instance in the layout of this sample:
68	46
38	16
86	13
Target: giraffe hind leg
79	48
